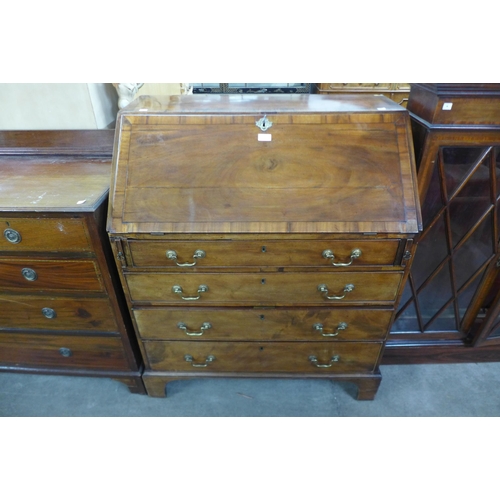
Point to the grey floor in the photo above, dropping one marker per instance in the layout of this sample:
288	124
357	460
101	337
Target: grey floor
447	390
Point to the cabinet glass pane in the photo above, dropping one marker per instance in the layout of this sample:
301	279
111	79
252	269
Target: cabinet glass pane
457	163
431	251
435	295
471	203
474	252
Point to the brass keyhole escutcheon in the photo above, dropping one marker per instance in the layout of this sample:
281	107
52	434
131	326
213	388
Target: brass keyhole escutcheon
264	123
12	236
29	274
65	352
49	313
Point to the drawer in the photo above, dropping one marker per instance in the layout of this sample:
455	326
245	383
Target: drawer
200	324
264	288
59	234
291	357
49	313
280	253
51	274
62	351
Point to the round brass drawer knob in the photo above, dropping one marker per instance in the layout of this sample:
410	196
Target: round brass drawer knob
65	352
29	274
12	236
49	313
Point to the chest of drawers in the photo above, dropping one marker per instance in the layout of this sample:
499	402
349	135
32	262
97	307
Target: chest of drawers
63	310
263	236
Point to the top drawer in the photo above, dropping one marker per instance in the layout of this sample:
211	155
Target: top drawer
43	234
280	253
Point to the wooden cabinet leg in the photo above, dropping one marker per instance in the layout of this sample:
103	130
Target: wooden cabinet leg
155	386
134	384
367	387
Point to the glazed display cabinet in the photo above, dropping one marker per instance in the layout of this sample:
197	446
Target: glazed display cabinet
450	305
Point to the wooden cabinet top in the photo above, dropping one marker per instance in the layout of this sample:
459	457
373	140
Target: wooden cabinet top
52	183
263	164
456	104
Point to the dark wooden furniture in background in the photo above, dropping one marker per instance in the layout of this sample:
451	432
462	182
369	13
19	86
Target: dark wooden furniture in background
62	306
397	92
263	236
450	307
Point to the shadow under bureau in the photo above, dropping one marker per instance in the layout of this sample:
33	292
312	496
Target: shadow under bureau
62	306
263	236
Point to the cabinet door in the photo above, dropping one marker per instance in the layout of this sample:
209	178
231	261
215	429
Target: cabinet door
457	250
486	328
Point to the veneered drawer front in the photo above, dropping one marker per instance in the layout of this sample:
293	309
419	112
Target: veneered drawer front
54	275
62	351
49	313
280	253
292	357
263	288
200	324
44	235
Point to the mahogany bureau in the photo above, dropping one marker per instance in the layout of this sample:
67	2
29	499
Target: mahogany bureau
62	306
263	236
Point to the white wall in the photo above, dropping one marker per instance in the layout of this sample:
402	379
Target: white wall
45	106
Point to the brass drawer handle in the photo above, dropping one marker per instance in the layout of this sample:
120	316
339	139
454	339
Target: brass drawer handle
314	361
12	236
208	360
178	289
29	274
198	254
204	326
324	290
355	254
319	328
49	313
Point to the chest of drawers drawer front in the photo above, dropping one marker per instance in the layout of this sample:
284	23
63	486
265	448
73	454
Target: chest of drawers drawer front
56	314
263	288
62	351
44	235
183	255
317	324
345	357
55	275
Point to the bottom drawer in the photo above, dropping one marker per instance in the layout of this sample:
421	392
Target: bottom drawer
62	351
287	357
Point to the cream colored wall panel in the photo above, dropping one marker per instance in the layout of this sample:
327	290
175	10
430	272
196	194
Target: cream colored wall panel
46	106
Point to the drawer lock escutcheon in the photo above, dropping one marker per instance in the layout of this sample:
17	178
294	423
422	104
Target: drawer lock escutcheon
178	290
264	123
324	290
189	359
319	328
204	326
49	313
198	254
12	236
314	361
355	254
29	274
